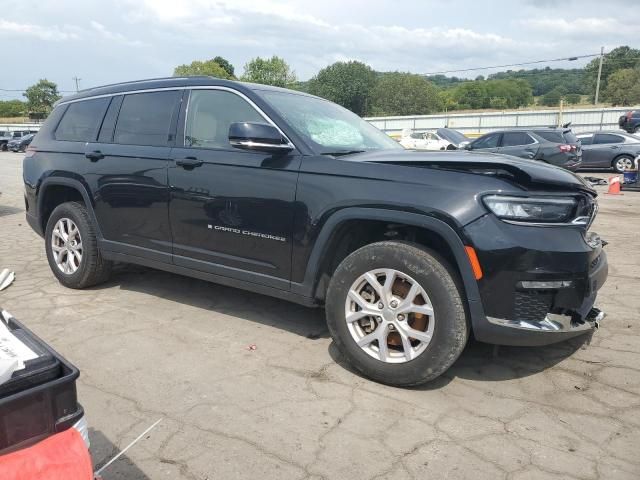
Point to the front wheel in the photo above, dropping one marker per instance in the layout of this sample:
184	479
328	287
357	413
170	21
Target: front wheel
623	163
72	247
396	313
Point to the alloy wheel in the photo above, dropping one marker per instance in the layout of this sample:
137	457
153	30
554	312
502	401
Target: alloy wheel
389	315
624	163
66	245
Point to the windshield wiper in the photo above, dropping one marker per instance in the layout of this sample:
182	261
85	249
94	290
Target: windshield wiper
343	152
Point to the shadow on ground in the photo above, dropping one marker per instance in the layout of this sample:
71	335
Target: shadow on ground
6	210
478	362
103	450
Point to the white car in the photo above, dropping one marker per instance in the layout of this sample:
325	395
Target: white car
440	139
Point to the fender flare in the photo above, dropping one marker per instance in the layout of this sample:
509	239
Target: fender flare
76	185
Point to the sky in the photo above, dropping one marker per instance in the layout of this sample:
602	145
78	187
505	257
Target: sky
107	41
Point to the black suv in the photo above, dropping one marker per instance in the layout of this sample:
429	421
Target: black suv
289	195
630	121
556	146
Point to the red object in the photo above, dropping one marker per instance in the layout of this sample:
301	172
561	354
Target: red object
614	186
567	148
63	456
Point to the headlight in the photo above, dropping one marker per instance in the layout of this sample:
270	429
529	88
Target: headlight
540	210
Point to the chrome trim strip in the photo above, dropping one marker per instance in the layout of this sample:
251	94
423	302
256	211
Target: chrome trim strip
551	323
252	144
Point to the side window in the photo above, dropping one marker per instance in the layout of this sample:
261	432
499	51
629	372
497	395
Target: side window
490	141
586	140
608	138
514	139
209	115
81	121
417	136
145	118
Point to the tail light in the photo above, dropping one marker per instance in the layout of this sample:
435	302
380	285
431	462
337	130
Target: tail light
30	151
568	148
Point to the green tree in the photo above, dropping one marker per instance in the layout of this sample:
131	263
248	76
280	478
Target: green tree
270	71
207	67
404	94
552	98
346	83
623	87
503	93
619	58
12	108
41	97
226	64
573	98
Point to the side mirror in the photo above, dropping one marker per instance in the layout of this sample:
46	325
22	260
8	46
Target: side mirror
260	137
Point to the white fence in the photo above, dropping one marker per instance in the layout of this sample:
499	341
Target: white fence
13	127
582	120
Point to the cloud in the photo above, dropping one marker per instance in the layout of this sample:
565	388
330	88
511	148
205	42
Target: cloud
114	36
576	26
51	32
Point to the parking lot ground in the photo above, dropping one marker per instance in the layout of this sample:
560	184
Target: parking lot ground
154	345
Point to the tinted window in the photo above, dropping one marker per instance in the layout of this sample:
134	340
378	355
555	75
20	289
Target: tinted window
145	118
513	139
490	141
210	114
81	121
416	135
453	136
608	138
550	136
586	140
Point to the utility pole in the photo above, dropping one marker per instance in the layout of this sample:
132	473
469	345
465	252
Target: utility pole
595	102
77	80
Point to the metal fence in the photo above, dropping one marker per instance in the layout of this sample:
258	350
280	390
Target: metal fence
18	127
582	120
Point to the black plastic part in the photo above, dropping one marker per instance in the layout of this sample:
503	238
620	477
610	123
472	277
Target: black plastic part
40	410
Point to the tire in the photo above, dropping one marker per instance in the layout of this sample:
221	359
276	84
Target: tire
92	269
448	322
618	166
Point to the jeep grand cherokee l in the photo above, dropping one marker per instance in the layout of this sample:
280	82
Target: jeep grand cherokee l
286	194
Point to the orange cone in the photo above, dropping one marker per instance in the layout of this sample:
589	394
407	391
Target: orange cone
614	186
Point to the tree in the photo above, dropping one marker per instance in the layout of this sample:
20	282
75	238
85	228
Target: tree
504	93
271	71
623	87
12	108
346	83
617	59
224	63
573	98
404	94
41	97
552	98
208	67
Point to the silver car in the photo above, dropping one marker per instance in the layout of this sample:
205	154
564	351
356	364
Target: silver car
609	149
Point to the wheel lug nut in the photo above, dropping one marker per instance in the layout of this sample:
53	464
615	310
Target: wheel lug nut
401	317
391	327
379	319
380	305
394	304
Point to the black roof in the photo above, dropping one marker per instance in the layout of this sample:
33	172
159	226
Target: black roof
169	82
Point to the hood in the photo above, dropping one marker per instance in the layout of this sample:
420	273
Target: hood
527	173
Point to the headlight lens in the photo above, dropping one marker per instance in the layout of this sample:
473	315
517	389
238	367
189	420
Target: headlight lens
541	210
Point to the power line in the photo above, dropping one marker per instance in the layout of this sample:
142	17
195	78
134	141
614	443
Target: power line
570	59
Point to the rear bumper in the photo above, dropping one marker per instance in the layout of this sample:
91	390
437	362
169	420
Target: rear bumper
518	309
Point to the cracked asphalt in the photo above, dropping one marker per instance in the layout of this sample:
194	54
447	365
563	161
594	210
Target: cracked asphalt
154	345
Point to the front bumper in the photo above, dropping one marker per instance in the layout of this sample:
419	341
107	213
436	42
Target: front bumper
518	310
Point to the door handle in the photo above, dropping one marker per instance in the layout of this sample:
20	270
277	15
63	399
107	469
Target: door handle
94	156
189	162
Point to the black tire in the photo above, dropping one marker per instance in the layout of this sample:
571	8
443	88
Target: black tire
436	277
93	268
614	164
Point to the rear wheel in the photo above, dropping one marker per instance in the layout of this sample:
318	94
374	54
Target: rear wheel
623	163
395	312
72	247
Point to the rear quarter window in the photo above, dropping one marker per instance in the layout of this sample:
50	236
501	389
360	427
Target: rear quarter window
550	136
145	118
81	120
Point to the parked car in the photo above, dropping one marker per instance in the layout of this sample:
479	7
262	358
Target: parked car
630	121
285	194
7	136
604	149
20	144
556	146
439	139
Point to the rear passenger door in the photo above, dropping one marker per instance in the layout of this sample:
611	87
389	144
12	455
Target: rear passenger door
519	144
487	143
231	210
127	169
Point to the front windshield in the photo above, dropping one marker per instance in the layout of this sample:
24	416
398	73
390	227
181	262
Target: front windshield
453	136
327	127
